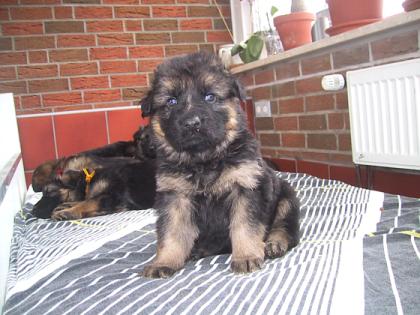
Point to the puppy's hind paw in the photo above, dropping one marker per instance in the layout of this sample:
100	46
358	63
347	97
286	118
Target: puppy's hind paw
157	272
246	265
274	249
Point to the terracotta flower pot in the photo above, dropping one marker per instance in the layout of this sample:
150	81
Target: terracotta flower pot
347	15
410	5
294	29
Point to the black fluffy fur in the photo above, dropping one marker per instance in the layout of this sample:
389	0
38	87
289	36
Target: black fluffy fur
200	141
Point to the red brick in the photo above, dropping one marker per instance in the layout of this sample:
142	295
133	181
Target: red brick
319	102
4	14
262	93
283	89
168	11
316	64
12	58
43	71
24	28
134	93
36	42
63	12
322	141
286	123
8	73
132	12
341	101
160	25
196	24
75	40
68	55
59	99
30	101
40	1
72	69
89	83
293	105
99	96
395	45
309	85
270	139
146	52
264	123
264	76
344	142
336	121
202	11
31	13
108	53
50	85
114	104
122	1
211	48
16	87
341	158
38	56
287	70
218	37
187	37
9	2
128	80
104	26
351	56
118	66
64	27
246	79
312	122
68	108
152	38
197	1
133	26
293	140
93	12
6	44
119	39
148	65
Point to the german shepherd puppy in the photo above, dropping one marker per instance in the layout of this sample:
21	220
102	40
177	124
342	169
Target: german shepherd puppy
215	193
141	148
87	193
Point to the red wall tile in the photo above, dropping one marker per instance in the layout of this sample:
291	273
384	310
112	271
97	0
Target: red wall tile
344	174
122	124
79	132
36	140
312	168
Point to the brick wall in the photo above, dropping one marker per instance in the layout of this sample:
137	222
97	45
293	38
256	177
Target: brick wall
60	55
309	130
63	56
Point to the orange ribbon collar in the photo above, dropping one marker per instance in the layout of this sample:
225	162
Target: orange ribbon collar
89	176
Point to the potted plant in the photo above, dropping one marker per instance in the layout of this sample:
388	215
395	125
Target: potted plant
347	15
410	5
251	49
295	28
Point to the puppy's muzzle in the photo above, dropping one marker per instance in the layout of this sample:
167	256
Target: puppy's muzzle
193	124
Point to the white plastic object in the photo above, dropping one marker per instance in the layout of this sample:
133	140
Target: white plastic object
333	82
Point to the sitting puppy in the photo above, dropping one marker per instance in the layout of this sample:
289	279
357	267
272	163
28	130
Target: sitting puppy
140	148
215	193
88	193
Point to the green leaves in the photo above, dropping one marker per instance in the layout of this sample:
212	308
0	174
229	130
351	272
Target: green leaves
250	50
273	10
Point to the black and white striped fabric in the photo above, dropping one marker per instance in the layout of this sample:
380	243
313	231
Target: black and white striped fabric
359	254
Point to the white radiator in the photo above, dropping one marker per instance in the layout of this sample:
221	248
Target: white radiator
384	108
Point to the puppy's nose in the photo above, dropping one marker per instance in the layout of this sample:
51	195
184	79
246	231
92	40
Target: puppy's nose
192	123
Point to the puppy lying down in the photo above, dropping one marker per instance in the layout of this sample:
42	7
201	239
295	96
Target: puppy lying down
215	193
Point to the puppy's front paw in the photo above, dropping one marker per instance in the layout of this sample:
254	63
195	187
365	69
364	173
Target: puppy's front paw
274	249
64	215
246	265
152	271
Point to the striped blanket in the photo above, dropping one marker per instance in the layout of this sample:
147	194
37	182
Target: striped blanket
359	254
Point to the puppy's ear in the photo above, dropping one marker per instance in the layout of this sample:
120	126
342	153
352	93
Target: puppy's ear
239	90
147	105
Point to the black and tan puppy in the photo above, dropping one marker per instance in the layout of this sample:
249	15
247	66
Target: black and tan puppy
215	194
82	194
141	148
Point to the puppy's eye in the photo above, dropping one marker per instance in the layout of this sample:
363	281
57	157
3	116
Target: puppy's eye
172	101
210	98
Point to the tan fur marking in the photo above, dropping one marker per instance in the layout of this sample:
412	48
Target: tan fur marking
157	128
173	183
96	188
247	242
245	174
175	246
283	208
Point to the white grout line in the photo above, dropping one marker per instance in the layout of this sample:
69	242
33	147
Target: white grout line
107	128
54	137
82	111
